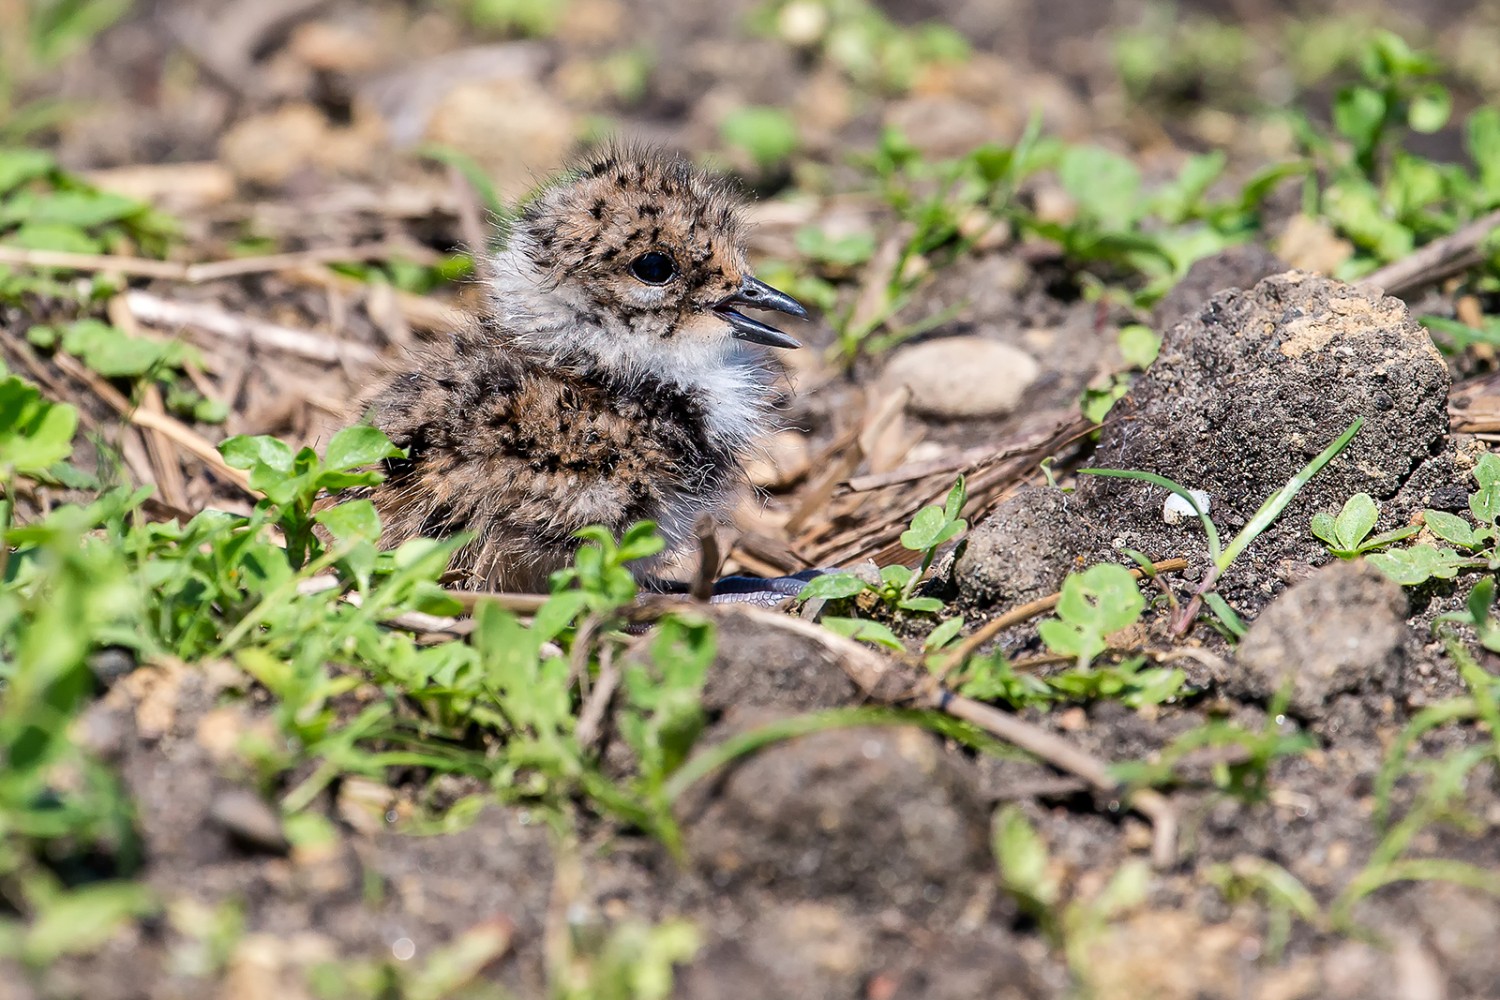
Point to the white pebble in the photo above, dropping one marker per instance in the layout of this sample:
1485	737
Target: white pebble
1176	508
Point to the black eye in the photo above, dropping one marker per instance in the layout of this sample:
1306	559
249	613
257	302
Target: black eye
654	268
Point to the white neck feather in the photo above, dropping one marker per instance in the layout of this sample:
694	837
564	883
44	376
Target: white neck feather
558	324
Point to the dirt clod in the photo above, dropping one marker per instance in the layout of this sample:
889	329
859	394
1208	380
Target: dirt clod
878	816
1023	550
1340	630
1246	392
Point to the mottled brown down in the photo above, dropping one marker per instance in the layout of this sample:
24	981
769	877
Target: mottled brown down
586	396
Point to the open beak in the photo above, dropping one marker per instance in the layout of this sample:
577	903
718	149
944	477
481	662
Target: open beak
756	294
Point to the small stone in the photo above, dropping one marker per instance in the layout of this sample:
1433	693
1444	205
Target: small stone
1343	629
1175	509
247	818
962	377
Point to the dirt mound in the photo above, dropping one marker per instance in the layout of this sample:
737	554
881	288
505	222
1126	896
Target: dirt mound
1243	394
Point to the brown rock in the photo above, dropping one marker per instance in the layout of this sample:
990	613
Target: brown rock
1340	630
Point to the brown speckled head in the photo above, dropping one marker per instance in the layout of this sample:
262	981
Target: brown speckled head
649	242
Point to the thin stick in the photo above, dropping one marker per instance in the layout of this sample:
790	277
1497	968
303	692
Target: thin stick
591	716
1435	261
191	441
171	270
709	559
156	311
1064	755
521	604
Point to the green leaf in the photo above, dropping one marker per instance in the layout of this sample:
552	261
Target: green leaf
357	446
896	576
81	920
1021	855
640	541
864	629
1093	604
1451	528
1429	108
1358	114
1322	526
17	166
1418	564
1483	139
768	134
1487	470
924	530
84	209
114	353
245	452
35	433
1355	521
53	236
926	605
1106	185
953	506
351	521
1139	345
941	636
1484	504
832	587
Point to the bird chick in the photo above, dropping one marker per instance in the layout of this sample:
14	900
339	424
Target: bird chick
612	379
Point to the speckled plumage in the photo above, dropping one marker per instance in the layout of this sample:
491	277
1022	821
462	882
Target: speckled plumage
586	395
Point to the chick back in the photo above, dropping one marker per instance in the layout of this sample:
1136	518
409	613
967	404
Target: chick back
522	455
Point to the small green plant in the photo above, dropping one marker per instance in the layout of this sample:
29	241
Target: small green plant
768	136
896	591
1244	774
858	38
1470	546
43	207
1093	604
1221	556
1382	197
1347	534
1440	798
1029	876
1284	896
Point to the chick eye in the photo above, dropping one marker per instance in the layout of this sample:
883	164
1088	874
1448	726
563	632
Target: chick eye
654	268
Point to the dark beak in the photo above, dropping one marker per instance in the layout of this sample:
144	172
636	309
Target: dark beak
756	294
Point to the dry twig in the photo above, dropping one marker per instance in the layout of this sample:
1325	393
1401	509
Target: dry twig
154	310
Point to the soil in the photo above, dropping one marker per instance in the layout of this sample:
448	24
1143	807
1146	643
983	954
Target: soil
853	863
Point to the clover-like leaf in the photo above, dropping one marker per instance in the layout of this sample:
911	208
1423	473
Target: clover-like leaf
356	446
245	452
832	587
1451	528
1101	600
1355	521
864	629
34	433
1418	564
